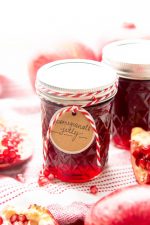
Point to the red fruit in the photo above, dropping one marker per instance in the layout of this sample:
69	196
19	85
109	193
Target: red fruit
14	218
22	218
128	25
93	189
127	206
42	180
20	177
1	220
140	155
66	51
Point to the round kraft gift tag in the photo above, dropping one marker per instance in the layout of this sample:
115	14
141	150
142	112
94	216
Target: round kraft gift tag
71	132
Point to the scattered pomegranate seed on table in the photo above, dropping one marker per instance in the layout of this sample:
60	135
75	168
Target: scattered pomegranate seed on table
93	189
20	177
45	177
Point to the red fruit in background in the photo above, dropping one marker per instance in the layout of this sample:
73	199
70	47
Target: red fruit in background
128	25
140	155
65	51
127	206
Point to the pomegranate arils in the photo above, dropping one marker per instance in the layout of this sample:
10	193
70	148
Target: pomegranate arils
20	177
93	189
137	154
18	219
146	149
142	157
148	165
1	220
142	163
14	218
43	181
10	140
5	152
22	218
12	154
46	172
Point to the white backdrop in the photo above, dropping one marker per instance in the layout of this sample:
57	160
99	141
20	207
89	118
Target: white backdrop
31	26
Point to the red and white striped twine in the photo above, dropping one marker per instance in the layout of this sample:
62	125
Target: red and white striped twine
79	94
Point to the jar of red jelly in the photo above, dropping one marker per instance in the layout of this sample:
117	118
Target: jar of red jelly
131	106
76	98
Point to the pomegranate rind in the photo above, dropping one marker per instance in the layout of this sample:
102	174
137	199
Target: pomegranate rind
129	205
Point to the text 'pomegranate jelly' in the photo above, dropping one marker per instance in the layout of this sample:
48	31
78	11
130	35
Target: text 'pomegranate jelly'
131	106
76	98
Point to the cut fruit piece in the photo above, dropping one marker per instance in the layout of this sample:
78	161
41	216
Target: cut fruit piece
140	154
34	215
15	145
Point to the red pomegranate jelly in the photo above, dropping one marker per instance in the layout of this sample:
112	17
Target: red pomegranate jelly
76	103
131	106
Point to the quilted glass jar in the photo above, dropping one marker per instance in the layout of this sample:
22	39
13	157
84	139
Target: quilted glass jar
131	106
76	98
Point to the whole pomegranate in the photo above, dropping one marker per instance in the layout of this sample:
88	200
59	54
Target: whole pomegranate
70	50
127	206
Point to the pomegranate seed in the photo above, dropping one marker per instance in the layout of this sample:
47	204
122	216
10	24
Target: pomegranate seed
5	152
142	163
4	142
93	189
147	157
148	165
20	177
46	172
22	218
14	218
137	154
26	223
12	154
1	220
6	159
43	181
137	161
51	177
146	149
148	179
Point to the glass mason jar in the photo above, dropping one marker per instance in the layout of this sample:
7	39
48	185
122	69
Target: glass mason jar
131	106
76	98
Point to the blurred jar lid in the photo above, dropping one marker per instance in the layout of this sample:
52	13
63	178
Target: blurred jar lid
130	58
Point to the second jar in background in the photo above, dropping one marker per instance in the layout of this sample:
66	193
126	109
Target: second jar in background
131	107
